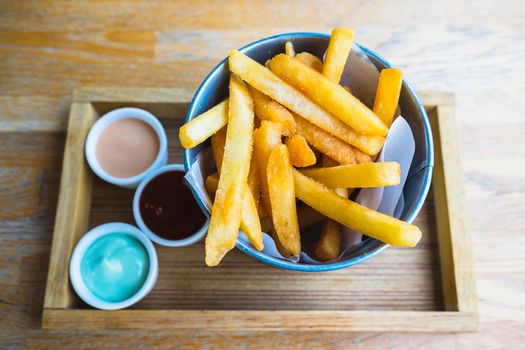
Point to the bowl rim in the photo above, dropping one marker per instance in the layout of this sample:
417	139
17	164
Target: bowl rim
283	264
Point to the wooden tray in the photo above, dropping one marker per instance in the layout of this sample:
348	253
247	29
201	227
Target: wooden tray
429	288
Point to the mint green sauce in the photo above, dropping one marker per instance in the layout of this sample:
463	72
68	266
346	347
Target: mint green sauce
115	266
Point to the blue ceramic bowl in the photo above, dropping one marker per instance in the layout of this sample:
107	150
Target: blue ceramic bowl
215	88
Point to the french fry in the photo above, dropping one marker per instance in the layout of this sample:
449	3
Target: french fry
282	199
329	245
267	109
218	140
254	181
305	215
337	53
250	223
265	139
328	95
387	95
289	49
211	183
200	128
350	214
301	155
268	83
357	175
227	208
310	60
328	144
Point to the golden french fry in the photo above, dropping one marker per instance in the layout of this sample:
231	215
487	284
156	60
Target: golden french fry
282	199
200	128
267	109
337	53
350	214
310	60
218	140
265	139
227	208
357	175
327	162
387	95
289	49
253	181
305	215
301	155
328	95
250	224
329	245
211	183
328	144
271	85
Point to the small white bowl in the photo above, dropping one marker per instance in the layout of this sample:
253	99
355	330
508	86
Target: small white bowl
197	236
115	115
85	242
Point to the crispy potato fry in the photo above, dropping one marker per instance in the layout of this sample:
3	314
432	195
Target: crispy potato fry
267	109
282	199
310	60
250	223
328	95
305	215
211	183
337	53
200	128
329	245
218	140
350	214
268	83
265	139
289	49
357	175
387	95
301	155
254	182
227	208
328	144
328	162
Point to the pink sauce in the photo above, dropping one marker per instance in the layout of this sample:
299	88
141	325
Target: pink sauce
127	147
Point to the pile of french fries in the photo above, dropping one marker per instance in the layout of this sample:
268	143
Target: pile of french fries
289	130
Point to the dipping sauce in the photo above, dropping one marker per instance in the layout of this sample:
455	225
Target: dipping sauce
115	266
168	207
127	147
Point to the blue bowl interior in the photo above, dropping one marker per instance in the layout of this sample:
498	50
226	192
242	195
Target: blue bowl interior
214	89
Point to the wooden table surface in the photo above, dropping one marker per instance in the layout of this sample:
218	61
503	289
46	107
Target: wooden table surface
47	48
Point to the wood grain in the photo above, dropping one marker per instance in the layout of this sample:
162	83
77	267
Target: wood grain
474	49
228	320
73	206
